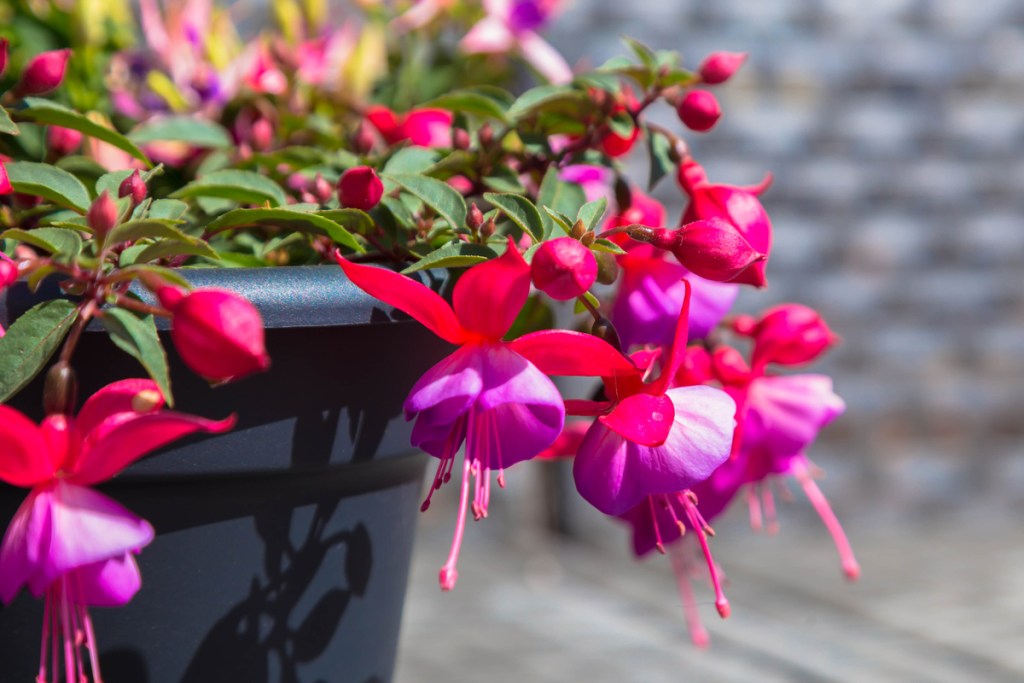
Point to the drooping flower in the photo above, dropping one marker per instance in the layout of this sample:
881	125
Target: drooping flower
512	25
737	205
488	394
424	127
68	543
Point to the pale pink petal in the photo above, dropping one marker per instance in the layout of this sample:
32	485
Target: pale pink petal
544	58
123	438
442	395
25	457
489	35
20	554
110	583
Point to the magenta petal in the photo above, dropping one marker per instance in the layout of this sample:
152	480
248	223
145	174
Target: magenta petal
110	583
114	398
444	393
642	418
63	527
489	296
785	414
25	457
123	438
613	474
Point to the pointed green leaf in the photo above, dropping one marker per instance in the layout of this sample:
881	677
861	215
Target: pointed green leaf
167	209
659	149
50	183
111	182
558	195
246	187
521	211
591	299
6	125
438	195
546	98
560	219
603	244
453	255
325	223
48	112
136	335
148	228
643	53
30	342
64	243
591	213
411	160
471	101
196	132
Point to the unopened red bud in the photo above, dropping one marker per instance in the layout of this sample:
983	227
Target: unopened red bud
60	389
485	135
474	217
102	215
217	333
43	73
62	141
718	67
5	182
791	334
360	188
460	138
3	55
262	134
363	140
133	186
715	249
8	272
603	329
563	268
607	268
488	228
322	189
699	110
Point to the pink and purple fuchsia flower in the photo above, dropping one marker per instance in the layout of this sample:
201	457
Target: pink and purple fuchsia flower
488	394
67	543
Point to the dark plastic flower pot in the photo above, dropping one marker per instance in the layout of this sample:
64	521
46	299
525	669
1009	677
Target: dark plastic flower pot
283	547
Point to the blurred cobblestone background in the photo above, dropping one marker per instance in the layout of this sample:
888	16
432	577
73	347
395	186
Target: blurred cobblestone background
895	130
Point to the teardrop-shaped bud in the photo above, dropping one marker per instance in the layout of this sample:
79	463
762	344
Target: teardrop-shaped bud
133	186
715	249
62	141
718	67
563	268
360	188
102	215
791	334
43	73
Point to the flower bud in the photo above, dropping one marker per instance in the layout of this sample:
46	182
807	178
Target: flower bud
133	186
460	138
474	217
729	366
699	110
322	189
62	141
60	389
791	334
102	215
718	67
8	271
3	56
363	140
5	182
43	73
563	268
217	333
360	188
488	228
713	248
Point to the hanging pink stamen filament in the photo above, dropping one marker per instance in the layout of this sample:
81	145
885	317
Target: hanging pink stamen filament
654	522
754	506
851	568
768	501
681	568
449	574
698	524
447	462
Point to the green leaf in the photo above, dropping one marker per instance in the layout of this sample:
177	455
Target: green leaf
546	98
325	223
643	53
580	308
438	195
62	242
603	244
471	101
622	124
167	209
521	211
6	125
558	195
172	275
411	160
241	186
196	132
591	213
30	342
659	149
148	228
560	219
668	78
354	220
50	183
137	336
48	112
504	179
453	255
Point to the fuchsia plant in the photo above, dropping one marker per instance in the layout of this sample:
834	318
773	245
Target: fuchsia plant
389	143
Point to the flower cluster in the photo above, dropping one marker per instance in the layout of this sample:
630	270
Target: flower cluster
390	143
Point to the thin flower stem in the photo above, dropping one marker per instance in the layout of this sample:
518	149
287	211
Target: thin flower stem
85	314
142	307
590	307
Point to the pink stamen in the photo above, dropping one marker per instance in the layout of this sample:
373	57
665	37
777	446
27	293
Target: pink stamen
444	468
851	568
768	499
449	574
754	505
70	653
654	523
681	568
41	678
698	524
